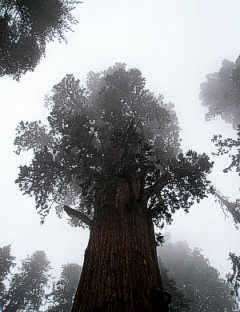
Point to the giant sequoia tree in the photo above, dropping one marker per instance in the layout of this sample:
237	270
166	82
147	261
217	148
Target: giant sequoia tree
112	152
25	28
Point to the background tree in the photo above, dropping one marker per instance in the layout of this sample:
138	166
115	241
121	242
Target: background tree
234	278
221	95
64	290
113	152
26	289
179	301
6	262
25	28
199	281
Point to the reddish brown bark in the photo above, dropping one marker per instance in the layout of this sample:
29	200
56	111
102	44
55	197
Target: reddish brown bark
120	271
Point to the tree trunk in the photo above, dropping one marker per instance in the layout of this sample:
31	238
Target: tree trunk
120	271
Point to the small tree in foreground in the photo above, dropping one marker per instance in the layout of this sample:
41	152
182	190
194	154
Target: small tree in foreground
112	151
25	28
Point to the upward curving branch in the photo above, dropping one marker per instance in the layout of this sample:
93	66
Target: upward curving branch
81	216
233	208
157	187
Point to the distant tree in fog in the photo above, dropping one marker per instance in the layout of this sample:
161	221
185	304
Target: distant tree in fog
199	281
25	28
6	262
112	151
221	95
27	287
179	301
64	290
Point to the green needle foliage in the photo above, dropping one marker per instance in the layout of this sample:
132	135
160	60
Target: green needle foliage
112	131
25	28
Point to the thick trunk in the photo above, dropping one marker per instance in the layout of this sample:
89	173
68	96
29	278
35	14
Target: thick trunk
120	271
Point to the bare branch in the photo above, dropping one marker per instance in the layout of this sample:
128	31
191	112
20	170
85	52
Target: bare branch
81	216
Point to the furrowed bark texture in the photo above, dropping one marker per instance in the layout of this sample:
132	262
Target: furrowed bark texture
120	271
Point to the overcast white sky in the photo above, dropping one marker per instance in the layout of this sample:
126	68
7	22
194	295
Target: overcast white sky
175	43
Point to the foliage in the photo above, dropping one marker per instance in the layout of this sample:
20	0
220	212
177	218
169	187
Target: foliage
232	207
199	281
221	93
114	131
64	290
6	262
25	28
225	146
179	301
234	278
26	289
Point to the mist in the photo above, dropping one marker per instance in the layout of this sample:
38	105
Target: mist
175	44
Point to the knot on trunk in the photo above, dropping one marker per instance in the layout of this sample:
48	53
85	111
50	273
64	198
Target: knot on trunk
160	300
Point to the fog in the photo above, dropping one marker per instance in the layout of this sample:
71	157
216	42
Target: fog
175	44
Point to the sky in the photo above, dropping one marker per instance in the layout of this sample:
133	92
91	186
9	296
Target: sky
175	44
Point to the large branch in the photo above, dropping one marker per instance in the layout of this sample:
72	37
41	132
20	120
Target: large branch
157	187
159	207
81	216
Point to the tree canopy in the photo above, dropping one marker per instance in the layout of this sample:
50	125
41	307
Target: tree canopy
25	28
113	130
221	93
197	279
